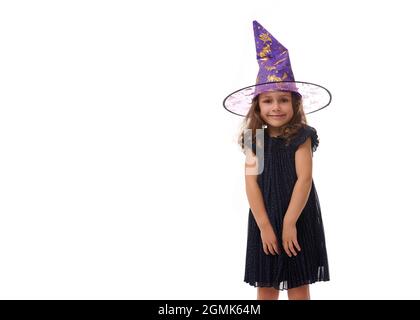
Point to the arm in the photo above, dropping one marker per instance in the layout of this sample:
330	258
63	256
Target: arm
302	188
256	202
303	162
254	194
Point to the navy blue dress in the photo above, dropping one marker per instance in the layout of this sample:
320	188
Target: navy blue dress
276	182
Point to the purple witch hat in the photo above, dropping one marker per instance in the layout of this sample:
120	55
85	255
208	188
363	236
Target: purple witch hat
275	73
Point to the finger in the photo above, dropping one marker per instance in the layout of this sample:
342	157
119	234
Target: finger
270	247
292	249
276	248
286	248
296	243
265	248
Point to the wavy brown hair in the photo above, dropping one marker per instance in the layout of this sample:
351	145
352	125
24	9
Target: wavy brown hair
254	121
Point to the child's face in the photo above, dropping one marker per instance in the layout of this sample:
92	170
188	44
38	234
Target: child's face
276	108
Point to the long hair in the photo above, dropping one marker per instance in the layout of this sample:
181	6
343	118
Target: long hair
254	121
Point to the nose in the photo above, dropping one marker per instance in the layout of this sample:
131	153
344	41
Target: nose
276	107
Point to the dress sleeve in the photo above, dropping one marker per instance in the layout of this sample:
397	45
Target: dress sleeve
248	145
253	146
304	133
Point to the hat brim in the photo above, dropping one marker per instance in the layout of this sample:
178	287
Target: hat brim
314	96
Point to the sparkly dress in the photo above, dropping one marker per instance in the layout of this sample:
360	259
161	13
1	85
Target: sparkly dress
276	182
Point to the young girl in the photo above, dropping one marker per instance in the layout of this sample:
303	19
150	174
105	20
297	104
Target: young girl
286	245
286	248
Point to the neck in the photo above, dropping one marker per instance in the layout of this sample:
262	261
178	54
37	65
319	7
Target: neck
274	132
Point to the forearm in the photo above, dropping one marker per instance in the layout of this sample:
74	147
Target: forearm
256	203
298	200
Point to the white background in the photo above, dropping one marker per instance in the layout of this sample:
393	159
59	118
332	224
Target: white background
120	177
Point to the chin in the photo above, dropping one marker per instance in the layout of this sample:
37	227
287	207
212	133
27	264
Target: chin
278	123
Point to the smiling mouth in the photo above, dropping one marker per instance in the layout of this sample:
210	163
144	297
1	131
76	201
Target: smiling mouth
278	116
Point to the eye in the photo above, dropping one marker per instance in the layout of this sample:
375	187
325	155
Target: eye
283	100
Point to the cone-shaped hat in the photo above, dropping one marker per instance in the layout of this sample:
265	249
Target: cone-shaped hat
275	73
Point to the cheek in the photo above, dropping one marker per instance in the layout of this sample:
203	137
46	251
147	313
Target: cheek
264	108
290	108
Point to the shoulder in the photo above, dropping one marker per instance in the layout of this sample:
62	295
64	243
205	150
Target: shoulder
305	132
307	129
